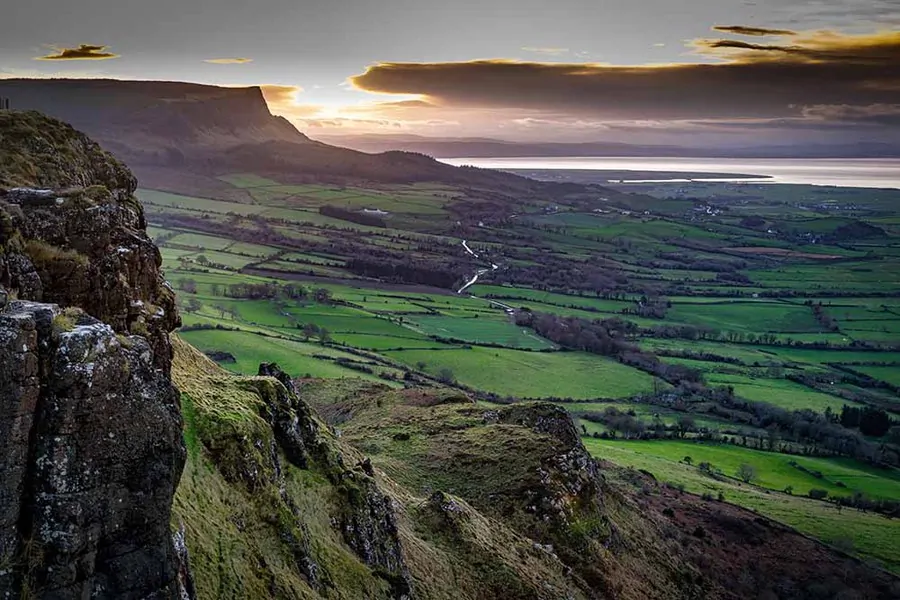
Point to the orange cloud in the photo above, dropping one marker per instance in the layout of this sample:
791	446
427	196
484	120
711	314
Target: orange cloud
748	81
82	52
228	61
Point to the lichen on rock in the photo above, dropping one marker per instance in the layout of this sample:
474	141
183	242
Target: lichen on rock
73	234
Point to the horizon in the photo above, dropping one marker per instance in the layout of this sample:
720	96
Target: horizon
724	74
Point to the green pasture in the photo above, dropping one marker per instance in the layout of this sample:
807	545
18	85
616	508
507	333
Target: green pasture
526	374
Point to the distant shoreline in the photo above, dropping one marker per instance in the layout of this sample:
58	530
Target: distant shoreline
633	176
877	173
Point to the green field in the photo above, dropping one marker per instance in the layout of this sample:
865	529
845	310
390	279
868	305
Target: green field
296	358
533	374
780	392
890	375
774	471
484	330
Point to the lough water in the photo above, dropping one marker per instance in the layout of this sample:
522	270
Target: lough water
843	172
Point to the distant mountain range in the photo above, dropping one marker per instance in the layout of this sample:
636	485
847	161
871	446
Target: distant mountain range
490	148
166	129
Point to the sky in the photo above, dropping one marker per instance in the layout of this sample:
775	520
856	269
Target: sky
725	72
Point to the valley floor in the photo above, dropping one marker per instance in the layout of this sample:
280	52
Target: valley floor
757	293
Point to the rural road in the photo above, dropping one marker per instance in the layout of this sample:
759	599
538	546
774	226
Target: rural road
478	274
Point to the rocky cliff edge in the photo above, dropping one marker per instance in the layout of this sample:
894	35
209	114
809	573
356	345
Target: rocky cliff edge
91	445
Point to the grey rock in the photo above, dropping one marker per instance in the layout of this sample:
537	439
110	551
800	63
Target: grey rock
93	451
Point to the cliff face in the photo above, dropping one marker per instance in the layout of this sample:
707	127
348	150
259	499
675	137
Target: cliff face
90	427
152	121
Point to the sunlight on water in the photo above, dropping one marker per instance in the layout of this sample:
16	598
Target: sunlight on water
844	172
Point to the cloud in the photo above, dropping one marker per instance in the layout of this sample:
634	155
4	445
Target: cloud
753	31
284	100
82	52
281	94
228	61
745	81
877	114
550	51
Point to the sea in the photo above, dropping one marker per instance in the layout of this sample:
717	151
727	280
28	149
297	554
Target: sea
841	172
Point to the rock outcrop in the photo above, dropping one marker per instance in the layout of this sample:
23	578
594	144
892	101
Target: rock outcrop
303	515
90	426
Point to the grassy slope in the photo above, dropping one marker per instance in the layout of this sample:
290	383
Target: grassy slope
240	538
870	534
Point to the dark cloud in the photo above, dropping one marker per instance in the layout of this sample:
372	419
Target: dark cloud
82	52
748	81
755	31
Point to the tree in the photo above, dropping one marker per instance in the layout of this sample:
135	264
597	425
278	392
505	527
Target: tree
772	437
192	305
746	473
893	435
446	375
310	330
685	424
189	286
324	335
874	422
688	460
322	295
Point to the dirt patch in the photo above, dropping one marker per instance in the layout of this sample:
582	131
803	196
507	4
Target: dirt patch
782	252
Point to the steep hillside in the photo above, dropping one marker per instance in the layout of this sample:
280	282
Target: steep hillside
421	493
275	504
618	533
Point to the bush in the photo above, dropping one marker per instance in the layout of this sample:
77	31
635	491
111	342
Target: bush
818	494
746	473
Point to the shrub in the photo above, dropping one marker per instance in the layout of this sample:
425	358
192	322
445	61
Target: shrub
818	494
746	473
